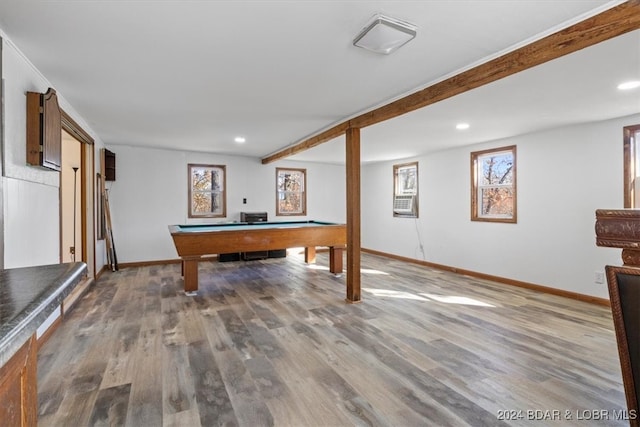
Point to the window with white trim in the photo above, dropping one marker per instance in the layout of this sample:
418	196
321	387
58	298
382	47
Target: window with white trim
493	180
291	196
207	195
405	190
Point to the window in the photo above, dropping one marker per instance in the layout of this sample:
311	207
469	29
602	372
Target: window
493	183
405	190
207	196
291	193
631	166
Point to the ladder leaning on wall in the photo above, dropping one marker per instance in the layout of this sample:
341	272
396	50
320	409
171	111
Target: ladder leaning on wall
112	257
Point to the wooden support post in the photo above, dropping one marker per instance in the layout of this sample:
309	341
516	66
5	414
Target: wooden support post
353	214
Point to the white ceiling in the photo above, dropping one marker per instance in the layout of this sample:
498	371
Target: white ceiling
192	75
577	88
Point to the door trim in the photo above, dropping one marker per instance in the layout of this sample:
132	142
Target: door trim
87	166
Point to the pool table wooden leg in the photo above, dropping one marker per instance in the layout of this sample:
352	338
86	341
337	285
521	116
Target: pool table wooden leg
310	255
190	273
335	259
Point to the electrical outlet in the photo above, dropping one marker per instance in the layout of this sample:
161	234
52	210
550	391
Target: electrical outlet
599	277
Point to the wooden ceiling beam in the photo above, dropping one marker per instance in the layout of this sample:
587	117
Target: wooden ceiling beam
322	137
611	23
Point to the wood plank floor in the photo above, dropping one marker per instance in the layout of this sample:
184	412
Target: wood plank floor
273	343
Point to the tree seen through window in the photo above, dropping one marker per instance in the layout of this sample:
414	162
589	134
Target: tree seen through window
291	194
206	191
494	185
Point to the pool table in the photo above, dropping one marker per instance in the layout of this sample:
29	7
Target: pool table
194	241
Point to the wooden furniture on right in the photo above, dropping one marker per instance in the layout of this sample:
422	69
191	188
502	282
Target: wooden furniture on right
620	228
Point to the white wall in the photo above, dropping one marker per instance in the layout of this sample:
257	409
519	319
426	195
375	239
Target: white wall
150	193
31	195
31	202
563	175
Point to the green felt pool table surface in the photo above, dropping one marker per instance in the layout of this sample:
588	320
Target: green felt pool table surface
193	241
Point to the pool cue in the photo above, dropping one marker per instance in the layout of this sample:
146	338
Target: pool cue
107	236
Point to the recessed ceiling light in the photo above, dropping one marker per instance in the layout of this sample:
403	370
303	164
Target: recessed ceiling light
629	85
240	139
462	126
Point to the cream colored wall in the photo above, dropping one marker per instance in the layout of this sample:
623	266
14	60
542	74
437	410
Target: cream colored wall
71	157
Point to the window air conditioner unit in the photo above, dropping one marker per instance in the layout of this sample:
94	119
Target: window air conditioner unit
404	204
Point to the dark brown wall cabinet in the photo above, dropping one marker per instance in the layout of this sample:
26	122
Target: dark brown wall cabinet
44	146
109	165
